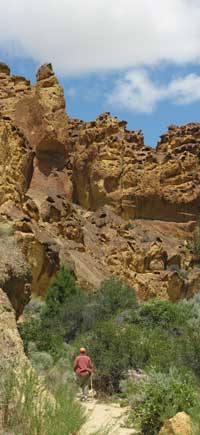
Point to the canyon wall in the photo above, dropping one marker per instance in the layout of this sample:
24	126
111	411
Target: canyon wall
93	196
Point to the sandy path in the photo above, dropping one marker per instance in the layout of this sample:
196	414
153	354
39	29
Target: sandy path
105	416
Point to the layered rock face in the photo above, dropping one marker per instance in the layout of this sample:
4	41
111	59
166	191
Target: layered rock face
113	166
15	274
15	164
93	196
11	346
39	113
10	340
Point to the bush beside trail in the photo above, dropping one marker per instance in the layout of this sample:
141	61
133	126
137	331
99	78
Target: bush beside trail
159	397
25	413
160	337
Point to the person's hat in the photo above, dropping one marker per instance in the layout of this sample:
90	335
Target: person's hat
82	350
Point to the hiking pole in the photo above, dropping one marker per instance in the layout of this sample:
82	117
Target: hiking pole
91	386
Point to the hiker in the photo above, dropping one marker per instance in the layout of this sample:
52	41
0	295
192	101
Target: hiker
83	368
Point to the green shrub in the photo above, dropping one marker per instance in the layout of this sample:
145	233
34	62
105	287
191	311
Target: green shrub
195	417
114	349
91	312
68	311
71	315
30	331
162	349
104	346
62	287
159	397
118	332
164	314
58	319
190	337
61	375
194	306
25	414
34	308
114	296
41	361
196	240
191	350
46	333
69	416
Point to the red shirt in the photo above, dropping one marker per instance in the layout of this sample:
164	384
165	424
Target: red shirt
82	365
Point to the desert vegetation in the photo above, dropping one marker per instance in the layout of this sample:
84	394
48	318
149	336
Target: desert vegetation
159	338
29	408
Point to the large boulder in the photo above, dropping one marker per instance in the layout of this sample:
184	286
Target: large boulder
15	274
180	424
11	346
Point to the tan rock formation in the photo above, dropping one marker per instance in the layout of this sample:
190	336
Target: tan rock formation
13	360
41	116
10	341
152	257
93	196
15	274
180	424
39	112
15	163
12	88
113	166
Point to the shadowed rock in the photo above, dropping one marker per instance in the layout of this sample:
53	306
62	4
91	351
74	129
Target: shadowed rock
15	274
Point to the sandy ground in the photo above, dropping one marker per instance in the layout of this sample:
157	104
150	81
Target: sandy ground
103	416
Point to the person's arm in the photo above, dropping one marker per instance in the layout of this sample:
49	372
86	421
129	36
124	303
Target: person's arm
75	364
90	365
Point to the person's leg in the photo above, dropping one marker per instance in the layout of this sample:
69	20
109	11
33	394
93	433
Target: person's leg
82	383
86	386
79	381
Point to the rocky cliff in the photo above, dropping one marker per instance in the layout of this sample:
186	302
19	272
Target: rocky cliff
93	196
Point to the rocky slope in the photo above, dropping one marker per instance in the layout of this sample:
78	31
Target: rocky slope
10	344
93	196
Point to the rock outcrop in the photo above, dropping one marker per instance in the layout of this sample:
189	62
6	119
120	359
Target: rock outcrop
93	196
10	341
15	274
180	424
16	368
112	165
16	163
39	113
11	346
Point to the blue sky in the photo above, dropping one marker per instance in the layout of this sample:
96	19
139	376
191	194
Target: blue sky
138	59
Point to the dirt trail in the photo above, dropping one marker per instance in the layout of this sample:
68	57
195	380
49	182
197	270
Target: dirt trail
105	417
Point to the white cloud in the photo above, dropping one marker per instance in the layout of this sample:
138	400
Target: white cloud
71	92
136	91
92	35
185	90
